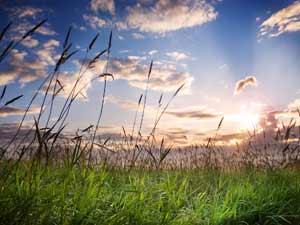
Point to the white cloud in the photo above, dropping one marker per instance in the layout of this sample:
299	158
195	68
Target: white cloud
125	104
25	11
23	27
285	20
152	52
163	78
121	25
51	43
103	5
136	57
170	15
24	68
138	36
94	21
47	54
294	105
177	55
124	51
30	42
223	66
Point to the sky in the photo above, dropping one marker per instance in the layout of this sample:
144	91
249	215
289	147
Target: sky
237	59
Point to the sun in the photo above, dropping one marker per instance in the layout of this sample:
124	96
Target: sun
247	120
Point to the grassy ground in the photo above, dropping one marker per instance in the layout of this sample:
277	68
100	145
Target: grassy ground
72	196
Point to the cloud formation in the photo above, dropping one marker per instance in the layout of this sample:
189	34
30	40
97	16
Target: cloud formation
163	78
200	114
26	68
231	137
242	84
138	36
285	20
94	21
177	56
30	42
132	70
7	130
103	5
125	104
294	105
25	11
170	15
13	111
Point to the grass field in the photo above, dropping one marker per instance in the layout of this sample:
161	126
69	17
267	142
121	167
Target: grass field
73	196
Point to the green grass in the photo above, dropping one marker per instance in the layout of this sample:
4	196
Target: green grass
81	196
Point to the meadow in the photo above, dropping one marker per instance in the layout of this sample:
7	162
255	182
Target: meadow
51	178
34	195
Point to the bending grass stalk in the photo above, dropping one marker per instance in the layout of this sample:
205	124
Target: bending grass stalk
145	98
165	108
103	99
72	96
51	76
26	112
135	116
12	45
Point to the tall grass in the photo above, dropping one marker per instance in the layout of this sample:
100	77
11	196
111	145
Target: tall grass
84	196
134	149
47	177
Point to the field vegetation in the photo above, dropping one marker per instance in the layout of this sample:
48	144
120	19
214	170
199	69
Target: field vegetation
48	177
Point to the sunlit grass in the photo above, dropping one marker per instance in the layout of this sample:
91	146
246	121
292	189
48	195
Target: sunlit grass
49	178
83	196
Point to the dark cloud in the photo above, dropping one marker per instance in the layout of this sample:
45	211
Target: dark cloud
194	114
242	84
231	136
268	120
8	130
13	111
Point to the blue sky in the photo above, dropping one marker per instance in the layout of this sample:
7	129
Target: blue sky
238	59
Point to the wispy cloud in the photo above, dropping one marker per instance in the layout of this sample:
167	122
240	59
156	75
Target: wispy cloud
138	36
125	104
231	137
120	25
170	15
30	42
94	21
13	111
152	52
194	113
285	20
33	66
27	71
25	11
242	84
7	130
132	70
103	5
177	55
163	78
22	27
48	53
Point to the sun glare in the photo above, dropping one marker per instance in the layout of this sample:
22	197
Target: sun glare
247	120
